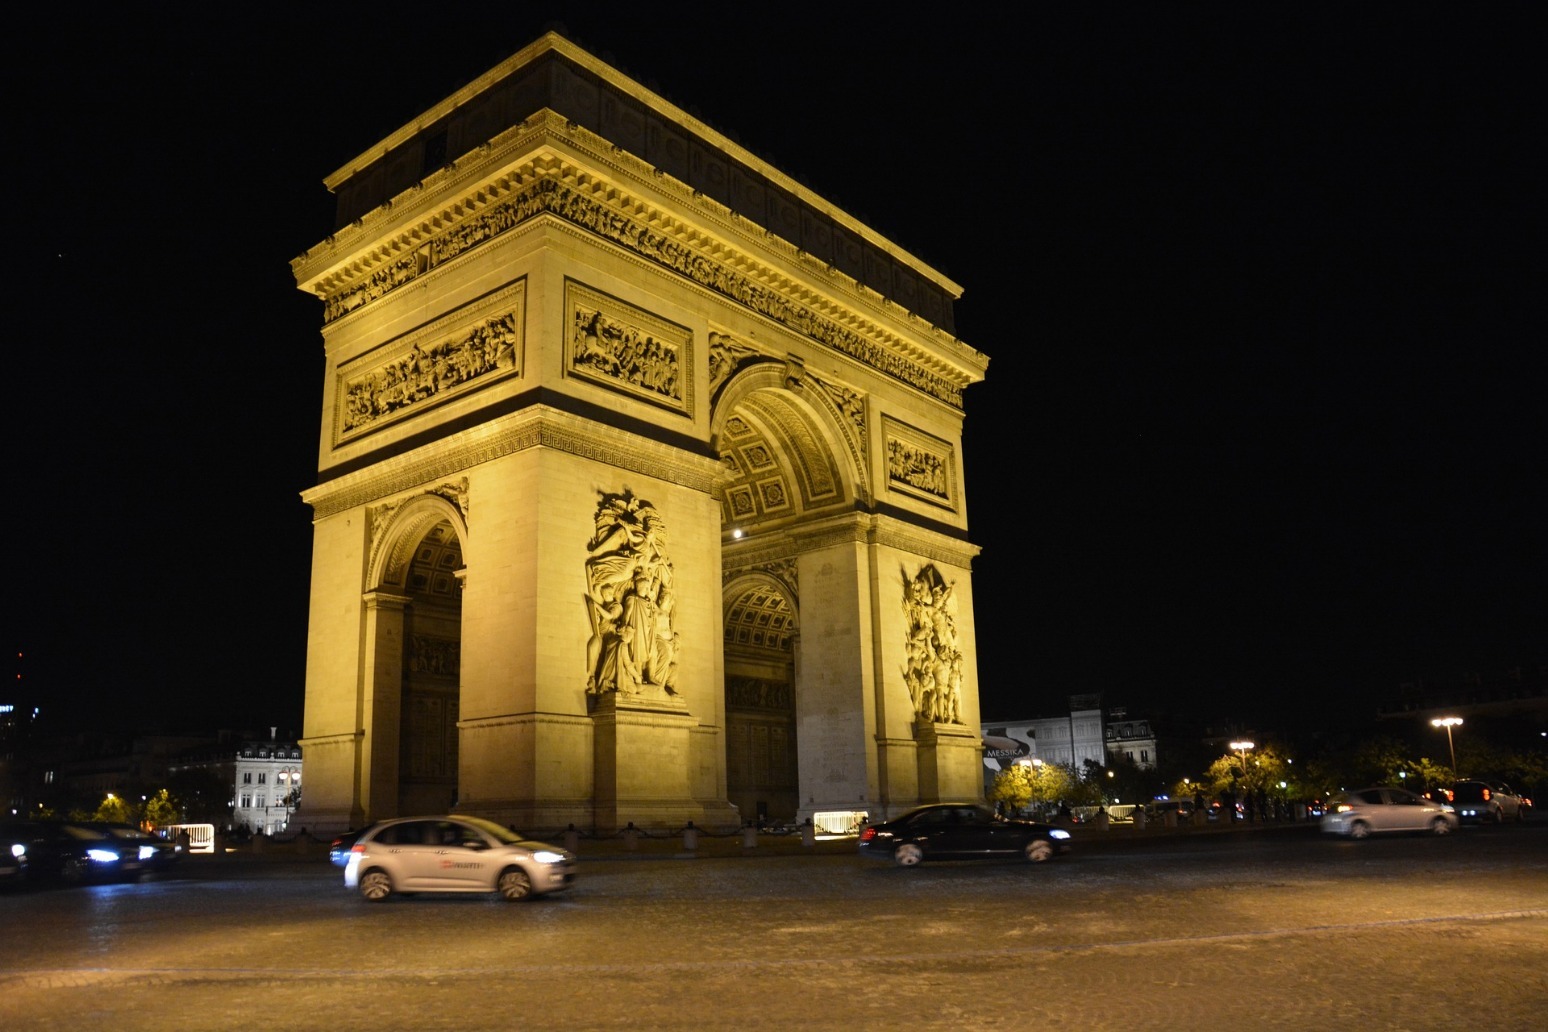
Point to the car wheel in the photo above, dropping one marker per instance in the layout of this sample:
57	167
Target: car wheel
514	884
1359	830
1038	851
908	855
375	885
1440	826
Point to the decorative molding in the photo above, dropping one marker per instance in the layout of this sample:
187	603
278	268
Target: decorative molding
784	569
463	351
539	426
626	349
849	528
500	206
919	464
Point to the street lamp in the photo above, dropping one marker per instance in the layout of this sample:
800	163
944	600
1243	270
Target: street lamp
1242	748
1448	723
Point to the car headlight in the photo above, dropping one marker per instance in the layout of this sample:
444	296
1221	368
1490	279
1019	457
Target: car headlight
146	852
1058	833
18	850
103	856
548	856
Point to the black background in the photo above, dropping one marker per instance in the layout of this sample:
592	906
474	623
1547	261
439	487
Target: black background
1260	284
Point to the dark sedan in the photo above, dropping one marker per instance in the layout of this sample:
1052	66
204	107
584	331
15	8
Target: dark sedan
961	831
74	852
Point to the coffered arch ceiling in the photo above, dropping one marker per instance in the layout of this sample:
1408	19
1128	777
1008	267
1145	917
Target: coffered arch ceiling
780	465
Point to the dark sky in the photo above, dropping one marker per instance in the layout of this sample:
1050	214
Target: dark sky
1261	287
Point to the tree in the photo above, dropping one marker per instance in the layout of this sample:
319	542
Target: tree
115	810
1023	784
162	809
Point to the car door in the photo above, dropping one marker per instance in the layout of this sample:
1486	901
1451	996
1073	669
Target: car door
462	857
407	852
1405	811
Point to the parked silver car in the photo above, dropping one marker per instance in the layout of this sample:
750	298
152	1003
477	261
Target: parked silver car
453	854
1487	801
1373	810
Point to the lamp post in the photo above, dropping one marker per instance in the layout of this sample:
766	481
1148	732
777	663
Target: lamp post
1448	723
1242	748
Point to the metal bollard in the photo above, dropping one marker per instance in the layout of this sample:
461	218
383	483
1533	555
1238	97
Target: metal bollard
572	839
1139	820
690	837
808	833
1171	818
749	835
631	837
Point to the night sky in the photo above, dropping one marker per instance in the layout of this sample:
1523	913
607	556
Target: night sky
1261	287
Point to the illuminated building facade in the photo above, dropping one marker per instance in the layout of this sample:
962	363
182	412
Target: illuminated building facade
640	490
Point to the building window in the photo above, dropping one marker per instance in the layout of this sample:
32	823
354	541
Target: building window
247	800
259	803
1144	755
263	777
247	777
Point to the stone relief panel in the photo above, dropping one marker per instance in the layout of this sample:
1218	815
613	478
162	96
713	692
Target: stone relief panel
726	356
919	464
463	351
634	642
434	657
627	349
933	671
757	693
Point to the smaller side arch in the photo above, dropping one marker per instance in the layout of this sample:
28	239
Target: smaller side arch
396	531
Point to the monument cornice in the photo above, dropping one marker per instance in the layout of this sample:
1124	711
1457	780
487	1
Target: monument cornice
850	528
547	166
538	426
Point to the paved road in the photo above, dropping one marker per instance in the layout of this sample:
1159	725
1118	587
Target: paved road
1254	931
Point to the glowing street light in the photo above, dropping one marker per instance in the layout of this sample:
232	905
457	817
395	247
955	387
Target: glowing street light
1242	748
1448	723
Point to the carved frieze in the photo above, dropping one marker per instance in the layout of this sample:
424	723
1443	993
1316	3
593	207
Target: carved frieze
757	693
919	464
547	196
463	351
628	349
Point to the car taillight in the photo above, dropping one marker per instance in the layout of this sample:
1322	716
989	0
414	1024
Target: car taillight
1486	795
358	847
868	834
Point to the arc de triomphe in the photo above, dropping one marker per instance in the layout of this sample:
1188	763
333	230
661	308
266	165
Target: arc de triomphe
640	490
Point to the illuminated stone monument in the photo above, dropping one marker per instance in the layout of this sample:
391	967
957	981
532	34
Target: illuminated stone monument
639	483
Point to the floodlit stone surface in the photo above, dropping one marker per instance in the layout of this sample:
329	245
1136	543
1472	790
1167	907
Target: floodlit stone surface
634	503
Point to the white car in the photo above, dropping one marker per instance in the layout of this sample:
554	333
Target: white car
1488	801
1373	810
454	854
